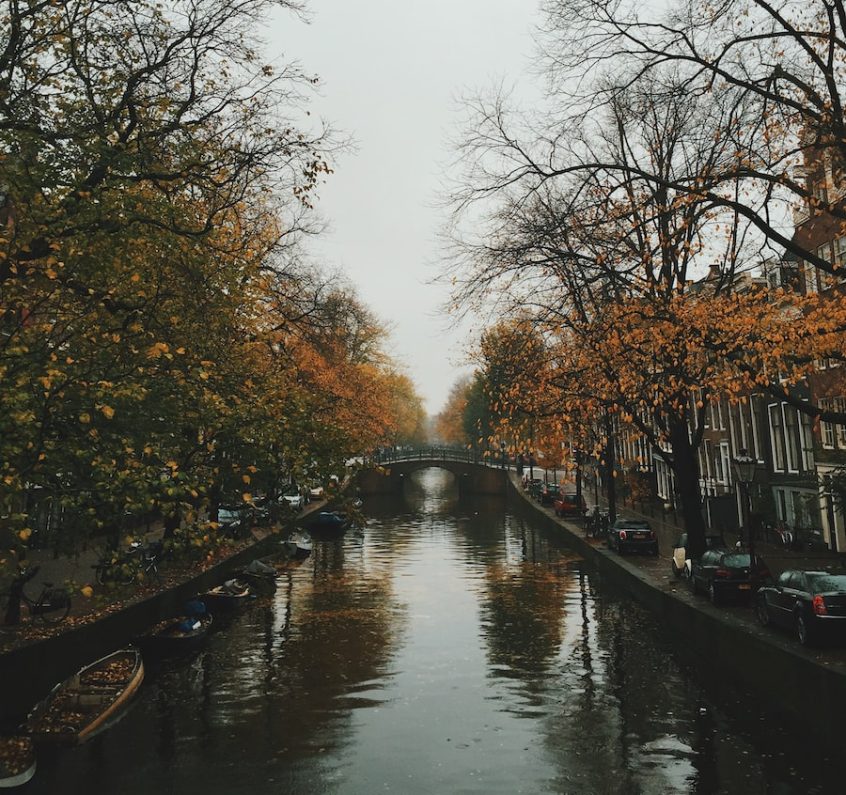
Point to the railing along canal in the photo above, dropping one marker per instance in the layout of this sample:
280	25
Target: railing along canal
489	458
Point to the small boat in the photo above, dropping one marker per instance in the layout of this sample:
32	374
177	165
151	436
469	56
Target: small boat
298	546
174	635
85	703
328	522
17	761
228	596
260	576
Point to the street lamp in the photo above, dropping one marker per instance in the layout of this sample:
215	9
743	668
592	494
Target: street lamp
744	474
502	455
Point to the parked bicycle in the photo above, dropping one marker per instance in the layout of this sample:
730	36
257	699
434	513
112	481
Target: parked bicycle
597	523
51	606
137	562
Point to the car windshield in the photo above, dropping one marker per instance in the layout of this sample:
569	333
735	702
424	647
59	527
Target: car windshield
737	561
826	583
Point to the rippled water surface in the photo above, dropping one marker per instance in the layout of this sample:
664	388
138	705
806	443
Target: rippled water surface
451	647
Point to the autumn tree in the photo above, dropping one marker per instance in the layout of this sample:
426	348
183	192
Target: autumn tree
153	174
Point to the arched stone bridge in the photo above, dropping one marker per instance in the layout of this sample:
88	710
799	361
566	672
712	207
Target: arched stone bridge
388	472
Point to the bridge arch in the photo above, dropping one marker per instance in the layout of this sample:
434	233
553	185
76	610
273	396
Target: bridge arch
391	472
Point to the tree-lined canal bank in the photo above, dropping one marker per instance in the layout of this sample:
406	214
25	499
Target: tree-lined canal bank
451	647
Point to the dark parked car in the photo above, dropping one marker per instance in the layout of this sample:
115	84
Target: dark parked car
632	535
570	505
680	561
549	493
725	573
811	603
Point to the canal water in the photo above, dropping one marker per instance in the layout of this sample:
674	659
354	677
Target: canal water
450	647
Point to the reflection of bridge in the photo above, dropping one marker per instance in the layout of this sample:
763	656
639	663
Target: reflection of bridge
388	471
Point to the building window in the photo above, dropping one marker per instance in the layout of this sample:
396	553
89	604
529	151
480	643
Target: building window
777	436
791	434
838	259
725	463
755	449
812	284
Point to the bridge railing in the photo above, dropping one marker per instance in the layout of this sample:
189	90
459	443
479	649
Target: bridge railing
438	453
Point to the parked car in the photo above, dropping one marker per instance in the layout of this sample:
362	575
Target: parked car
724	573
316	492
632	535
680	561
570	505
811	603
549	492
293	498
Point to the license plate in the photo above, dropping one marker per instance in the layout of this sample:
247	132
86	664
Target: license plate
744	586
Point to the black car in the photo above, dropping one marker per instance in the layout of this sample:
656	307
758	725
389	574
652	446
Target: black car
725	573
632	535
680	561
811	603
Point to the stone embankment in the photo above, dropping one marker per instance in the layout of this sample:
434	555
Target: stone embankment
809	685
31	663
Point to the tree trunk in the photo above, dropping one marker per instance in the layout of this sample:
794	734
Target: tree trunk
686	474
611	468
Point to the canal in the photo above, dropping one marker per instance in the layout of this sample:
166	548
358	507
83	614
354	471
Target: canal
450	647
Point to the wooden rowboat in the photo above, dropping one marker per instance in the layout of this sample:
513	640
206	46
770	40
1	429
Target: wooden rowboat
17	761
175	635
232	594
84	704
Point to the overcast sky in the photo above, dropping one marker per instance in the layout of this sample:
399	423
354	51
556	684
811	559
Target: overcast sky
392	74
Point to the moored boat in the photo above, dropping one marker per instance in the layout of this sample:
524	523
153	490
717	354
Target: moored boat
260	576
17	761
85	703
227	596
174	635
299	545
328	522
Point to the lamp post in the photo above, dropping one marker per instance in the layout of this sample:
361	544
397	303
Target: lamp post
502	455
744	473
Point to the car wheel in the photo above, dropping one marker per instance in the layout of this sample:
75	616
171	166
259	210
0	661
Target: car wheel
713	595
803	631
762	611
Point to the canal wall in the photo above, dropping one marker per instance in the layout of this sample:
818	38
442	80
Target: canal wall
797	682
28	672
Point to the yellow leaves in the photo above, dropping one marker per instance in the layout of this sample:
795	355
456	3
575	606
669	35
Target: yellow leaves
87	591
85	418
107	411
245	478
247	497
135	278
157	350
24	535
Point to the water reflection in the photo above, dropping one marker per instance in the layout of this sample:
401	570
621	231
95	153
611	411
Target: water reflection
453	647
